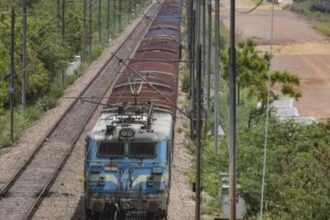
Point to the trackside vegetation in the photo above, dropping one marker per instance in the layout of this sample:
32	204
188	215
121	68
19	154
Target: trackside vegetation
50	50
298	155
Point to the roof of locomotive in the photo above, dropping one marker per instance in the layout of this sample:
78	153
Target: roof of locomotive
160	130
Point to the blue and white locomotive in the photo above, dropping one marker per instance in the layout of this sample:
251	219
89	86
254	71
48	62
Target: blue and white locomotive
127	166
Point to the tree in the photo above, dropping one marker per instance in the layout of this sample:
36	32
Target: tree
253	70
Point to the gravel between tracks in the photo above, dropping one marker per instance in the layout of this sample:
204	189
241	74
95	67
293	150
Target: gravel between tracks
182	203
12	158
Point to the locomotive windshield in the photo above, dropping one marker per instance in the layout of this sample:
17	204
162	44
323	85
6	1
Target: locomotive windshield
111	149
142	149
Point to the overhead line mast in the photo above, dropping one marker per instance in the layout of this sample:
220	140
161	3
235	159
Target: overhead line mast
198	103
209	10
24	53
12	72
217	76
232	115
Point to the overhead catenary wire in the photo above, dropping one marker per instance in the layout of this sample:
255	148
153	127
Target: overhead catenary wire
151	85
252	9
263	183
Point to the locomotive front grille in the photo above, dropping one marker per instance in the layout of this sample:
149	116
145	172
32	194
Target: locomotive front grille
136	216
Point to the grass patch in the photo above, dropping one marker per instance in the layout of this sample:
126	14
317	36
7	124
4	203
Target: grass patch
323	27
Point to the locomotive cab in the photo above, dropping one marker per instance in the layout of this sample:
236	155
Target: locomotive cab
127	164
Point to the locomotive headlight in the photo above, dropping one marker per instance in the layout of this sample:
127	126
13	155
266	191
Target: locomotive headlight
126	133
101	180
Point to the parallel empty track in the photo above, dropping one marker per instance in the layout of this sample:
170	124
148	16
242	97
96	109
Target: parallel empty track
23	193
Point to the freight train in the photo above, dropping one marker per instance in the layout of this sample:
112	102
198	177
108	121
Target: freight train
129	151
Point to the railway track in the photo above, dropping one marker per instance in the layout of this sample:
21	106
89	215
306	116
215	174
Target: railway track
23	193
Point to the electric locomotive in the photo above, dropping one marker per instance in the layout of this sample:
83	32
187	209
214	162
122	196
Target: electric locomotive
127	162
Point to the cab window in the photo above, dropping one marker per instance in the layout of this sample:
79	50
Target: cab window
111	149
142	149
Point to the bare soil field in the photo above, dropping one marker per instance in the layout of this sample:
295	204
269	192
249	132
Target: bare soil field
314	73
297	48
288	27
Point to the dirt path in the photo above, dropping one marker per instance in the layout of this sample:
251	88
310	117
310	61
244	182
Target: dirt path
298	49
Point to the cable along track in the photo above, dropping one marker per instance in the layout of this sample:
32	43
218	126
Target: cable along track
23	193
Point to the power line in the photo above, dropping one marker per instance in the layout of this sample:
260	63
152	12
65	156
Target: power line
252	9
150	85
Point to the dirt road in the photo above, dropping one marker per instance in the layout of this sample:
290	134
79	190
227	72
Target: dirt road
299	49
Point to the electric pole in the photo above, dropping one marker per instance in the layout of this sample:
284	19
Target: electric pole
209	9
217	77
204	37
90	29
11	89
193	77
63	20
115	16
99	21
120	11
85	31
24	55
199	132
59	14
108	23
128	11
232	115
192	69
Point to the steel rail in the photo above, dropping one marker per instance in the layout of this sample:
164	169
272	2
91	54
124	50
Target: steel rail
49	133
